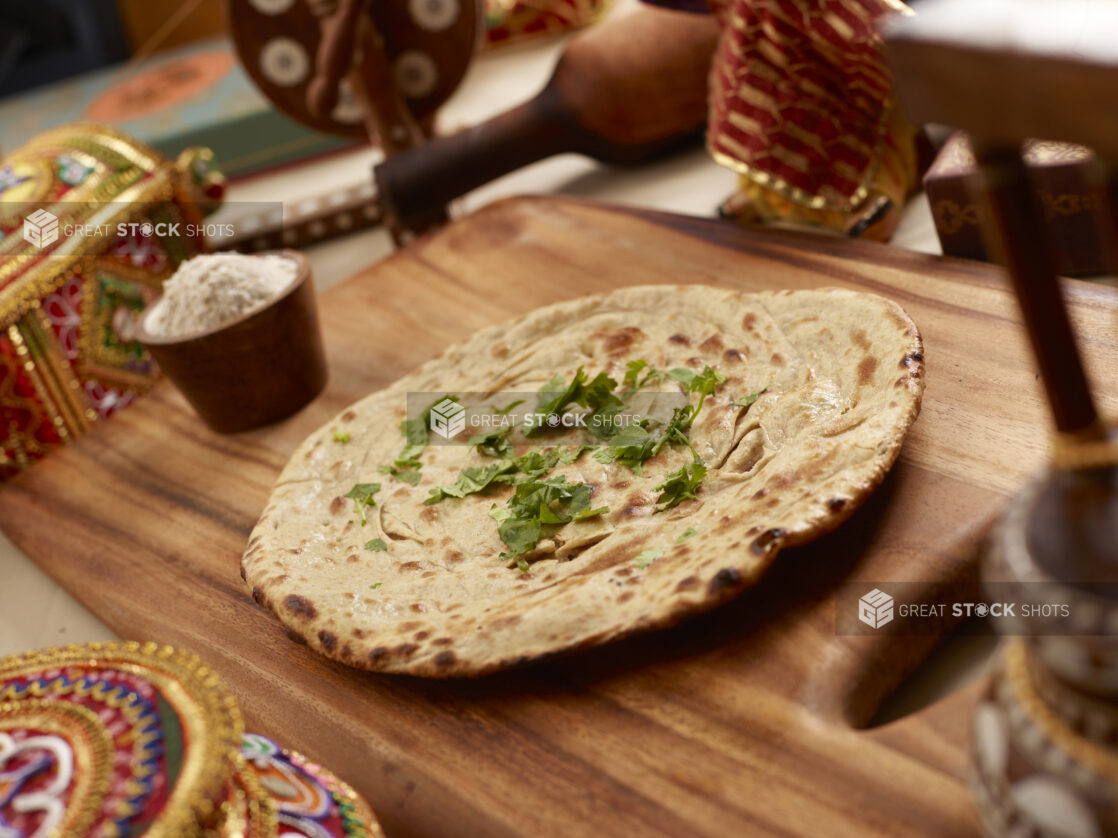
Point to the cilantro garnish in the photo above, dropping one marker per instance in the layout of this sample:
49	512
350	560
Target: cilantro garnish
537	504
604	455
569	455
406	466
748	401
538	463
687	533
341	436
507	409
647	557
362	497
375	585
632	381
704	383
495	443
632	445
680	486
554	396
473	480
683	376
376	544
597	395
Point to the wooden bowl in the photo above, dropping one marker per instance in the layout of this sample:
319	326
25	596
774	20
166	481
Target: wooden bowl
254	370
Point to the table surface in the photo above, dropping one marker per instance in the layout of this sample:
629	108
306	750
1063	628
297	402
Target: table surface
658	734
35	612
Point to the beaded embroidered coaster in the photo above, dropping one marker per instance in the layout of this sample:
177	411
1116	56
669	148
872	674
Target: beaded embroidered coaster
127	739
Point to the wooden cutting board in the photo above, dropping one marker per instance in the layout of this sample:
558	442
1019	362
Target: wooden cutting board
742	722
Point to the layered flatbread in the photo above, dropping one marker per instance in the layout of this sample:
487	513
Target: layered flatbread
386	551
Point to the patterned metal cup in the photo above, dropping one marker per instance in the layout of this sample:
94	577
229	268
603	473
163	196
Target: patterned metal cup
1045	735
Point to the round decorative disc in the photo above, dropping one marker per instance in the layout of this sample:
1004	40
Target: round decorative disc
284	62
114	739
278	41
309	800
434	15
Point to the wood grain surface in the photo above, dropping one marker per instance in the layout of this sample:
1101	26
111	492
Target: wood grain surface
741	722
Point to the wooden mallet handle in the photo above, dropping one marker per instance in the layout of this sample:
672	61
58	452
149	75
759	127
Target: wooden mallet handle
335	57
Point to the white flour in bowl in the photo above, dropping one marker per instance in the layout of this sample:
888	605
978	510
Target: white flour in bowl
209	291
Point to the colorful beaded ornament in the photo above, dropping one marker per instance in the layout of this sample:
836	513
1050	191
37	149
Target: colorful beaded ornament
115	740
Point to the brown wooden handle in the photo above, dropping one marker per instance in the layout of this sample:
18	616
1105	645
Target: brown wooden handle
335	56
1017	234
420	181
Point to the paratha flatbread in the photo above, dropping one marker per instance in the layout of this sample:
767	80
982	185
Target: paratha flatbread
840	376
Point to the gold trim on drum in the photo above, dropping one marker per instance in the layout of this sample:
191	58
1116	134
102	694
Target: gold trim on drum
92	747
1019	665
207	711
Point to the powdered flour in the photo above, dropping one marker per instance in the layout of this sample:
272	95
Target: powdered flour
209	291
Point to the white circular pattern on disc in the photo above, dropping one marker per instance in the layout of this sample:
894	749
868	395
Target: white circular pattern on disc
1048	803
991	739
348	109
433	15
284	62
272	7
416	74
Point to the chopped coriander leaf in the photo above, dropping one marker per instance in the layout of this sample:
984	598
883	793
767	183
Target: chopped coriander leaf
532	495
473	480
539	503
406	466
342	437
523	565
520	535
683	376
632	370
687	533
362	496
597	395
707	381
633	380
555	396
590	513
677	429
569	455
680	486
416	429
538	463
750	399
495	443
603	422
704	383
647	557
377	544
632	445
507	409
411	476
375	585
605	455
